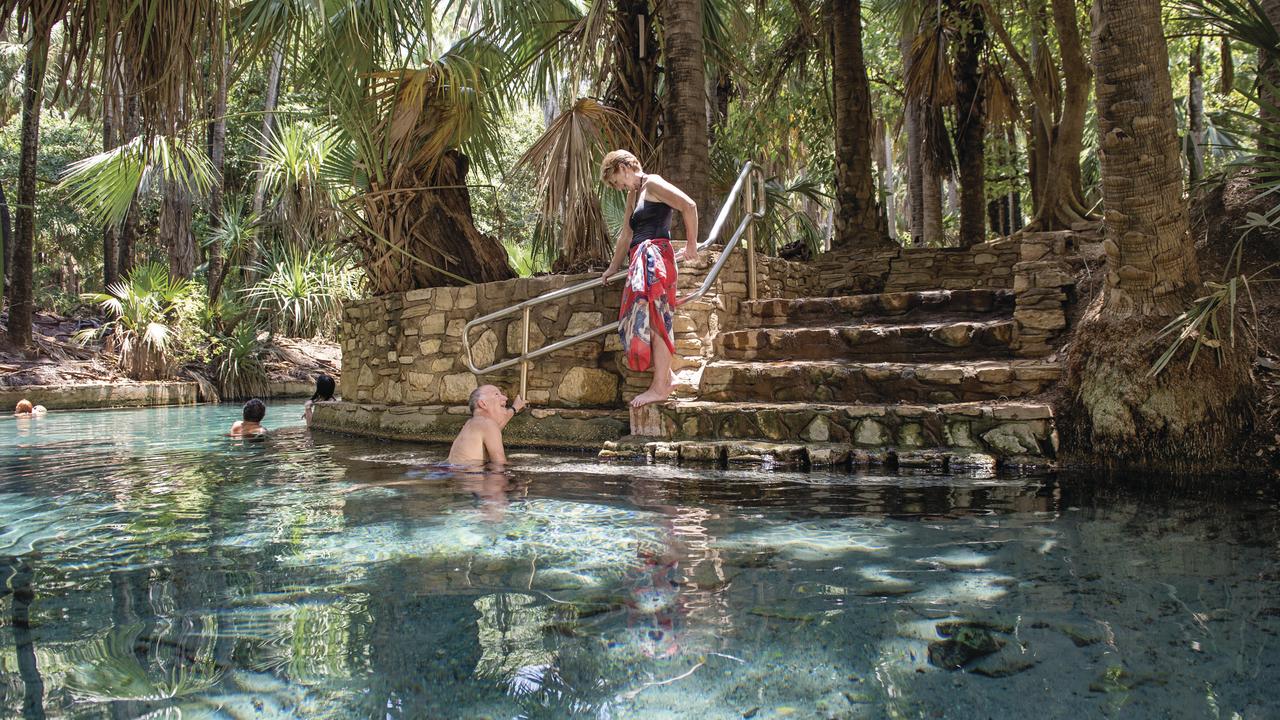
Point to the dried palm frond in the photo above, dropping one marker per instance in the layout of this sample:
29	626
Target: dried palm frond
929	78
1001	96
565	159
155	47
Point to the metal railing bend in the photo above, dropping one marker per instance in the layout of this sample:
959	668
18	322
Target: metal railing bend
753	209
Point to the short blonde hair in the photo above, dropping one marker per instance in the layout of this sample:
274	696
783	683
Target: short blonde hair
615	161
24	406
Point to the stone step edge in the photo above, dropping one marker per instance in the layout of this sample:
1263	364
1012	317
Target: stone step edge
996	319
1003	300
976	364
998	410
768	454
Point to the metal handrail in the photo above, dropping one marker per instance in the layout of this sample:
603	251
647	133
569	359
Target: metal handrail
751	212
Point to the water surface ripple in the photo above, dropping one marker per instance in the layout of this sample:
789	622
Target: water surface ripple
150	567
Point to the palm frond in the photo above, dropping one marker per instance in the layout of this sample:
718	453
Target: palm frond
565	159
106	183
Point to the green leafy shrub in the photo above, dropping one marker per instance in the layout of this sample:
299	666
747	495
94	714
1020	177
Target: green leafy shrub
144	314
301	291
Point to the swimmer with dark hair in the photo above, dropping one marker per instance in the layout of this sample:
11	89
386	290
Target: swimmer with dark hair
251	424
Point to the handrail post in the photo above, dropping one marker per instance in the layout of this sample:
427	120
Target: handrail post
524	354
748	207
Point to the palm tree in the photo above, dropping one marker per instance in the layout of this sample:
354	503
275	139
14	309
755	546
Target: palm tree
39	21
1056	112
970	119
154	46
686	143
858	222
1193	412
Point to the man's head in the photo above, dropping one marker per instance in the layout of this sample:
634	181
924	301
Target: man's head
23	407
486	399
254	411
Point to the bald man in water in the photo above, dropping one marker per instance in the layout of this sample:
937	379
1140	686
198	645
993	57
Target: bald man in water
480	440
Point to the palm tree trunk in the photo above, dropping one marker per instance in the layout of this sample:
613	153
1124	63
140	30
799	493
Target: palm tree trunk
931	198
888	183
110	232
1195	113
971	128
686	147
915	168
1190	416
175	230
6	248
857	217
22	305
1269	86
633	86
217	155
268	124
1149	250
131	127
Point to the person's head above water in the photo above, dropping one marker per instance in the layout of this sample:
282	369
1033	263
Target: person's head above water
621	170
325	387
486	399
254	411
23	407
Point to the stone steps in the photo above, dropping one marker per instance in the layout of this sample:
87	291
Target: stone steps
885	342
731	453
1011	431
874	382
897	305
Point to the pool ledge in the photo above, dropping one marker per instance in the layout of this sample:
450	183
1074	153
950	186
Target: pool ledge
568	428
102	395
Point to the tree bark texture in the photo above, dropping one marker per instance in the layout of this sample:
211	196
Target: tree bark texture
1150	256
1062	202
175	230
427	238
22	305
1269	87
110	231
1195	113
686	144
915	178
217	156
970	126
931	199
269	101
857	217
888	182
6	255
1188	418
633	85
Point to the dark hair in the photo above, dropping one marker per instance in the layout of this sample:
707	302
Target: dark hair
255	410
324	388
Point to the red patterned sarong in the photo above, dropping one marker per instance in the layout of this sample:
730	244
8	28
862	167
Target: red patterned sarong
648	301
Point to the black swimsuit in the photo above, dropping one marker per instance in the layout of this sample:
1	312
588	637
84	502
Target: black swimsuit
651	219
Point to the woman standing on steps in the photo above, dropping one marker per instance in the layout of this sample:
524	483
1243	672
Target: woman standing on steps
649	296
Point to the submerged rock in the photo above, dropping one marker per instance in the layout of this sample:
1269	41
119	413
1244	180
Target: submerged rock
964	643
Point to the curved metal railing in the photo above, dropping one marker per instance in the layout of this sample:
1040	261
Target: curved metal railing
753	209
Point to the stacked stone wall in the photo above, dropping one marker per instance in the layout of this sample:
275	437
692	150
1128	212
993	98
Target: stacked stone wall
406	348
987	265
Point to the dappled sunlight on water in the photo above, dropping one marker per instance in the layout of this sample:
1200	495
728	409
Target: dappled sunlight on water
153	568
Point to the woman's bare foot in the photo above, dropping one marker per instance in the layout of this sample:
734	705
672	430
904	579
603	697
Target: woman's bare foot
656	392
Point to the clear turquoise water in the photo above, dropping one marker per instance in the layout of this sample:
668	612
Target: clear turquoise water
152	568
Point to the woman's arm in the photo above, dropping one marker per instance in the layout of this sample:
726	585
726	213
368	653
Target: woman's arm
670	194
624	238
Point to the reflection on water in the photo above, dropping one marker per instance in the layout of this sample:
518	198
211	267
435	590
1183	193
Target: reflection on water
151	568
